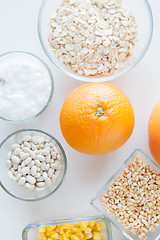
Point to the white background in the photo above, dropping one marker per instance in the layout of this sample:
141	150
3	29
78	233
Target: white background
86	174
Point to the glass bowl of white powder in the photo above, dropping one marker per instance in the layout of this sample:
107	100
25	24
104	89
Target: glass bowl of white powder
33	164
95	40
26	86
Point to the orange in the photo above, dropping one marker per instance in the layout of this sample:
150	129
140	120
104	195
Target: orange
154	132
96	118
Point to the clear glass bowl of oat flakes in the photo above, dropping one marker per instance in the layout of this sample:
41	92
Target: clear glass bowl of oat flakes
95	40
131	198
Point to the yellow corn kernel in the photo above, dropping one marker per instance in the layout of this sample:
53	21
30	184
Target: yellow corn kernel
54	235
75	230
74	237
97	226
43	238
48	233
91	224
42	229
40	235
68	233
88	236
83	226
80	235
97	236
51	228
69	226
64	237
60	229
88	230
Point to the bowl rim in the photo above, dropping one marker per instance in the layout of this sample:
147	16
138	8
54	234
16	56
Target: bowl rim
65	164
111	179
51	80
92	78
67	221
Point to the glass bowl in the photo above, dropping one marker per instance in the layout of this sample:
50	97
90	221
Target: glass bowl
12	188
101	209
37	68
143	15
30	232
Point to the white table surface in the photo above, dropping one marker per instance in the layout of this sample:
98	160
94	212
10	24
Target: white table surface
86	174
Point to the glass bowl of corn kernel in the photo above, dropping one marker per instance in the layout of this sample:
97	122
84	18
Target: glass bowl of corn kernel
96	40
93	228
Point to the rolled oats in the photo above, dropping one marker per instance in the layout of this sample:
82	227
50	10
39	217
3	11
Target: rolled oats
98	30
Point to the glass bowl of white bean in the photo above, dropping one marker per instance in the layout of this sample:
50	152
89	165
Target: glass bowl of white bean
96	40
33	164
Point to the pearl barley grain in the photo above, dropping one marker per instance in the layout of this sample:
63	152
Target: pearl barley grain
29	162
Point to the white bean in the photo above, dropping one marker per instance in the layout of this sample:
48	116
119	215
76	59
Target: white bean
24	156
15	159
41	184
30	179
48	158
54	178
29	186
37	175
33	170
14	146
40	140
27	144
40	189
19	168
33	146
52	161
19	175
15	166
54	165
35	140
48	182
43	166
31	164
12	170
23	164
41	179
28	160
37	162
8	163
17	151
25	170
47	145
30	152
27	138
50	172
47	166
45	175
22	181
40	158
46	151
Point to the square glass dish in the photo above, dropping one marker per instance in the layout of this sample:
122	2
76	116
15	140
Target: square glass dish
152	235
31	231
